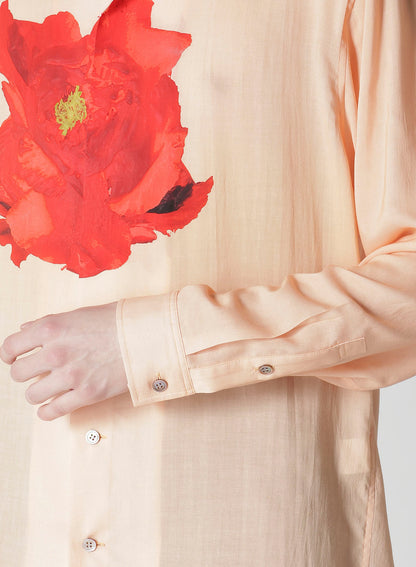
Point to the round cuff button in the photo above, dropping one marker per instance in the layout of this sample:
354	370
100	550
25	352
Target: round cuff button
266	369
159	385
89	544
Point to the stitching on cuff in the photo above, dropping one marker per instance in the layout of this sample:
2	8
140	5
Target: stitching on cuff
283	358
177	333
123	347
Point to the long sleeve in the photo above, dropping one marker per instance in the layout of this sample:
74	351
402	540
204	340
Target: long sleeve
351	326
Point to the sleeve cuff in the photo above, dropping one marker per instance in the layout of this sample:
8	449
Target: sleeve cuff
152	348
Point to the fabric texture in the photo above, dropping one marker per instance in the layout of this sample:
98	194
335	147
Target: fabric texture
300	123
359	315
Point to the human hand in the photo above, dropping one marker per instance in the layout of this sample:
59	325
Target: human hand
79	362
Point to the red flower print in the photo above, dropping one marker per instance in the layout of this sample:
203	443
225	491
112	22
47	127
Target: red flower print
91	154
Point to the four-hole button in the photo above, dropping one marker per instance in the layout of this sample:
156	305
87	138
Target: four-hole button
266	369
89	544
159	385
92	437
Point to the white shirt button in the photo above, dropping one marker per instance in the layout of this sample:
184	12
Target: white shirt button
159	385
92	437
89	544
266	369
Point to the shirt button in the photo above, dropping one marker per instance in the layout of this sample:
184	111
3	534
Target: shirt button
89	544
159	385
266	369
92	437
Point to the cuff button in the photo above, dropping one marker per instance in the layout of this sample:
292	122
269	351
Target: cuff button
159	385
266	369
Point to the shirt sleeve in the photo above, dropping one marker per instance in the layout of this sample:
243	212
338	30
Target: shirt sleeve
351	326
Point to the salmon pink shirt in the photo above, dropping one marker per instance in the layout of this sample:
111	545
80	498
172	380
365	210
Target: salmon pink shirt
241	178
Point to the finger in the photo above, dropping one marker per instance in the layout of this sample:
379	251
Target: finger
63	404
48	358
23	325
46	388
30	366
19	343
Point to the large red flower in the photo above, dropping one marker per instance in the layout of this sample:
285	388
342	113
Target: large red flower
91	154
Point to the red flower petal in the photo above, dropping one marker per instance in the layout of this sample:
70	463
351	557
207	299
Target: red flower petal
25	166
16	104
11	188
29	219
159	178
85	235
167	149
18	254
142	227
184	214
3	206
101	239
126	27
127	14
7	66
96	217
142	234
21	40
40	172
57	29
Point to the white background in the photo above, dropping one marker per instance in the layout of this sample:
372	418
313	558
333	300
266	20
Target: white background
396	442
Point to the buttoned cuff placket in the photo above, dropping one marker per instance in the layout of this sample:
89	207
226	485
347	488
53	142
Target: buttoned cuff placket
152	348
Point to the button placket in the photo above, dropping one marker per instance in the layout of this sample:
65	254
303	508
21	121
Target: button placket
92	437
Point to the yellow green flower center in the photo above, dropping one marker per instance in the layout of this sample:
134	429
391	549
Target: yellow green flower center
70	111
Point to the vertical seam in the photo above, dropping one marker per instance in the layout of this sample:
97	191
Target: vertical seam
342	62
180	347
124	349
369	523
386	155
342	72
